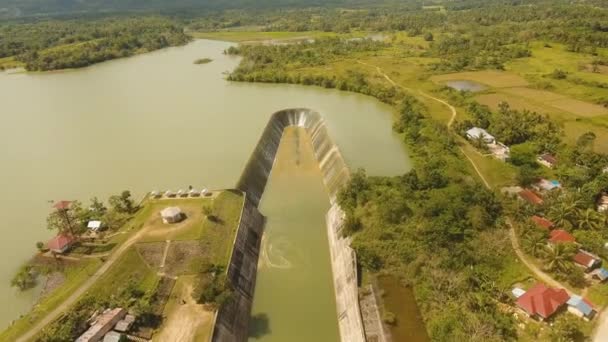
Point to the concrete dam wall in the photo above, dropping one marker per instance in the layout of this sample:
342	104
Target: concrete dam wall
233	319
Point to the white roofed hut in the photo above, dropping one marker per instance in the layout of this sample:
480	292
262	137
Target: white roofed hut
204	192
156	194
476	133
182	193
172	215
169	193
194	193
94	225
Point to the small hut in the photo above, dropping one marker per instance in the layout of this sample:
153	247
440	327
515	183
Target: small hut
169	193
194	193
172	215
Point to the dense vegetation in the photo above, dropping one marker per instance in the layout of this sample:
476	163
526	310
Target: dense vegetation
60	44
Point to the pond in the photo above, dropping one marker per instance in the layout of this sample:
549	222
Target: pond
466	85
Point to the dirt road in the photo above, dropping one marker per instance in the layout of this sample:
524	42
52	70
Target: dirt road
53	315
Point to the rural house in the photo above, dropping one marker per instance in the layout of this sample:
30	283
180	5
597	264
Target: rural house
547	185
60	243
171	215
542	222
600	274
542	302
581	307
476	133
530	197
94	225
602	203
587	260
547	160
560	236
102	325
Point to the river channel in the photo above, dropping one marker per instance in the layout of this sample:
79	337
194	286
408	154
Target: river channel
157	121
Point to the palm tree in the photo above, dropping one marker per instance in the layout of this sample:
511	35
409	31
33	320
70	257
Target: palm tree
589	219
534	244
559	258
564	212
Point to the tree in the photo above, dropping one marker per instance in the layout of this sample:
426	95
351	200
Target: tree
66	220
559	258
567	328
122	203
40	245
534	242
428	37
97	209
563	213
25	278
589	219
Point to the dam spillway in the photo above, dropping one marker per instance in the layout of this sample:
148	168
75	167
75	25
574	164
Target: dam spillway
327	159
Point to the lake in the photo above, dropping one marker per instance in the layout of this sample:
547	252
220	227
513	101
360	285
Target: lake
158	121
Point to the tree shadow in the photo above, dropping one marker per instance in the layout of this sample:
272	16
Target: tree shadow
259	325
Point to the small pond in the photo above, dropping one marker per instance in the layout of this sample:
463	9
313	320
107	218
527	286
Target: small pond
465	85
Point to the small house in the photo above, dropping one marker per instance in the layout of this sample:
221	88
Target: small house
171	215
60	243
169	194
547	160
530	197
581	307
477	133
600	274
182	193
542	222
499	150
560	236
62	205
587	260
205	192
125	324
542	302
94	225
194	193
102	325
112	336
602	203
156	194
547	185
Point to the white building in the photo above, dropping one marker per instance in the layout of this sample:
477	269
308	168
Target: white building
94	225
171	215
477	133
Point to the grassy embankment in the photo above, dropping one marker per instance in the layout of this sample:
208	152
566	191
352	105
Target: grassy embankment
142	271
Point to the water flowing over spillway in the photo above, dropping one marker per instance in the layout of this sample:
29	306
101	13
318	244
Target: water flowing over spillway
253	182
333	168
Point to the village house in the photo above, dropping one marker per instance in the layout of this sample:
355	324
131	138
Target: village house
542	222
476	133
102	325
182	193
547	185
169	194
547	160
194	193
171	215
125	324
530	197
60	243
581	307
560	236
600	274
499	150
62	205
541	302
156	194
94	225
602	203
587	260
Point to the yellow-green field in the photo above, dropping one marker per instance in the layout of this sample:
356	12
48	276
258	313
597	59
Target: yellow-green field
253	36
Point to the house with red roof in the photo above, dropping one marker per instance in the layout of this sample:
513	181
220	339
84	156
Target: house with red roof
542	302
547	160
60	243
542	222
587	260
560	236
530	197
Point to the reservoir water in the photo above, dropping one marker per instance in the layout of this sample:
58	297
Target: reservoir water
158	121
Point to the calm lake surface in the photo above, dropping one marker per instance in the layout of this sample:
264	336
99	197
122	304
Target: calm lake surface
158	121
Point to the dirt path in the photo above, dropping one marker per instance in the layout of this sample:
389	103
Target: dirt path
186	320
53	315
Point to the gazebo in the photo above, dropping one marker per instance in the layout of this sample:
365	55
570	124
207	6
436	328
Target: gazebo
171	215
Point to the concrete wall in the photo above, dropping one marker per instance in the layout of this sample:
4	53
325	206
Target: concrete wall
232	320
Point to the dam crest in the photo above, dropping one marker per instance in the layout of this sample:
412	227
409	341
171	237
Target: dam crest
232	320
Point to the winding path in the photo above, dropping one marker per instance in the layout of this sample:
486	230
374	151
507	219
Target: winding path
73	298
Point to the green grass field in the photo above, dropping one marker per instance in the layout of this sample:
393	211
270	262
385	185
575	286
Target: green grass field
252	36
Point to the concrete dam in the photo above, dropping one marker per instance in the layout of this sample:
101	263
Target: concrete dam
232	320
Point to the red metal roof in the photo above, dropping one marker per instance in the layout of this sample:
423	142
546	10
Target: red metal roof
543	301
560	235
59	242
584	259
543	222
530	197
62	205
